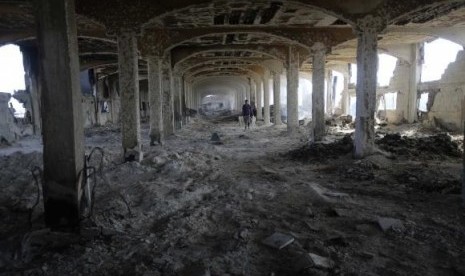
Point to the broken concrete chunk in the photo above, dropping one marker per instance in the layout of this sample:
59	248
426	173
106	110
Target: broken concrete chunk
341	212
390	223
336	195
278	240
310	260
215	137
310	212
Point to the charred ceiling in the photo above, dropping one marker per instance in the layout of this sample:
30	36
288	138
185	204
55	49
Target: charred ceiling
192	32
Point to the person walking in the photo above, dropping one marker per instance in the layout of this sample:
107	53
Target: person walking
247	113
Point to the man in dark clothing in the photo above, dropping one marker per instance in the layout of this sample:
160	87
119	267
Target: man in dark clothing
247	113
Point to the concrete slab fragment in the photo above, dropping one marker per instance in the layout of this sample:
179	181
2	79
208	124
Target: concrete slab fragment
387	224
278	240
310	260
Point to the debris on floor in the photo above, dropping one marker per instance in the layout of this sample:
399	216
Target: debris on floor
194	208
278	240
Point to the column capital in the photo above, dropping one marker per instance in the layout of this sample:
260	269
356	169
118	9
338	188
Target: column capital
116	32
370	24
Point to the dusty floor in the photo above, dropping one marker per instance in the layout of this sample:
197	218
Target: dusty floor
195	206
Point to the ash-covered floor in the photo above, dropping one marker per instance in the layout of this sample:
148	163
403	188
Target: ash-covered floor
197	207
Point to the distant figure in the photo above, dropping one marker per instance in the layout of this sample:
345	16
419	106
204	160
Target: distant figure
247	113
254	109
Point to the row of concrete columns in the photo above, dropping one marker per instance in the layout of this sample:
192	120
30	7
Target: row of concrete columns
62	116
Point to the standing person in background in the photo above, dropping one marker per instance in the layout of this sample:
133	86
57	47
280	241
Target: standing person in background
247	113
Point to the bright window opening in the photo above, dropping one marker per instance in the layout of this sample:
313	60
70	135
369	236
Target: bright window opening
423	103
12	75
386	67
353	73
438	55
338	82
353	106
388	101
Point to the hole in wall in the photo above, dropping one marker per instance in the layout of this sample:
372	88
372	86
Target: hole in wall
12	75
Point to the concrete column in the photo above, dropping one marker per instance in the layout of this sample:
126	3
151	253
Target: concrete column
292	90
252	90
129	89
367	68
266	97
277	98
183	102
115	101
345	93
168	104
415	75
155	99
31	77
258	89
177	91
63	134
318	94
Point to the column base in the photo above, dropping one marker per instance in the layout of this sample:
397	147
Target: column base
62	211
134	154
364	137
156	140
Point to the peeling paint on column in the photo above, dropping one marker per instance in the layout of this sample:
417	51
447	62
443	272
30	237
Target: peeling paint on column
318	94
292	90
156	100
367	30
129	87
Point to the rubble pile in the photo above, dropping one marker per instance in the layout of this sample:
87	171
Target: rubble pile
437	146
429	180
321	151
359	171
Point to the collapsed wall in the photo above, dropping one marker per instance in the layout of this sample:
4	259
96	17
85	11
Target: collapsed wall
9	132
448	106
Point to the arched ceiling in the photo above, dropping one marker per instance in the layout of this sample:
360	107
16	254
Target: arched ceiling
210	34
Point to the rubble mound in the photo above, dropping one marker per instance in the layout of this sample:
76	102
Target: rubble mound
102	130
320	151
428	180
433	147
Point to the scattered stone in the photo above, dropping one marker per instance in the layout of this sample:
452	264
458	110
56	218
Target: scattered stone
215	137
249	196
278	240
310	212
310	260
342	212
390	223
244	234
312	226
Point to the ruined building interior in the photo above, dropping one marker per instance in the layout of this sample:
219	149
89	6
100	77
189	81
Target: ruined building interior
131	156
